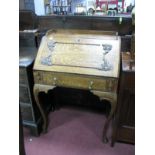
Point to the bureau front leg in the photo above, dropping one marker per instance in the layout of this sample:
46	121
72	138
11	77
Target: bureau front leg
36	90
112	98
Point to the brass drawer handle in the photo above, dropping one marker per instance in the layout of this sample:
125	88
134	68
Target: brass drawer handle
55	79
90	85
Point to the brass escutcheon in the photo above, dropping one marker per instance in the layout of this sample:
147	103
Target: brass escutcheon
55	79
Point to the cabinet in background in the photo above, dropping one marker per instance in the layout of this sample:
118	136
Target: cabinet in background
30	114
124	123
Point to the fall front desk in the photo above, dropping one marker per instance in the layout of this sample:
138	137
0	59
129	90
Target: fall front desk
80	59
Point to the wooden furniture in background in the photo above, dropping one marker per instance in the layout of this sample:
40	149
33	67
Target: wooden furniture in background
73	59
31	117
30	114
28	20
124	125
21	136
87	23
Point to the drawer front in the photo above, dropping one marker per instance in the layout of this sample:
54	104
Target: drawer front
24	95
26	113
76	81
22	76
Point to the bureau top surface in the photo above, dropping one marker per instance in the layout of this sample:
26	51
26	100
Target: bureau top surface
78	52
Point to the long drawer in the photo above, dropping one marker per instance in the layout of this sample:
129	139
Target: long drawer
76	81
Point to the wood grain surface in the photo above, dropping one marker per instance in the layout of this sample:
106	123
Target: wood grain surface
80	52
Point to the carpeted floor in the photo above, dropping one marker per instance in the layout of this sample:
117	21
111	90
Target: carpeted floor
74	132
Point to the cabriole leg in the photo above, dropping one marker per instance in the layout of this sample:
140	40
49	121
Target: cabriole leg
36	90
112	98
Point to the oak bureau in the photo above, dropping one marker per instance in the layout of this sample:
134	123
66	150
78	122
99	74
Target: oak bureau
80	59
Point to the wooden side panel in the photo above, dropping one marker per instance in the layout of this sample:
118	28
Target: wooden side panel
124	129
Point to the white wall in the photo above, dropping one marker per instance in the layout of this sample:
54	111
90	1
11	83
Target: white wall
39	7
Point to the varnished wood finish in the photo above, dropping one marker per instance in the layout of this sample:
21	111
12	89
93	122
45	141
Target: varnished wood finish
91	41
86	22
28	39
75	81
89	23
112	98
31	117
75	68
27	51
36	90
124	124
28	20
